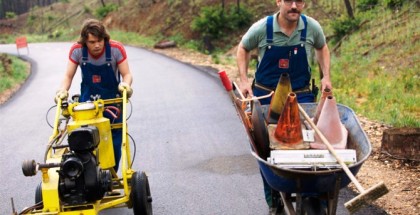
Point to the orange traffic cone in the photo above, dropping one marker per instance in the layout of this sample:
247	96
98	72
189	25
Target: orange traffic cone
288	132
325	93
330	126
283	89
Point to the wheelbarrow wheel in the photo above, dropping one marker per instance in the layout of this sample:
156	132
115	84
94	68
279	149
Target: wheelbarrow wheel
38	193
313	206
140	194
260	132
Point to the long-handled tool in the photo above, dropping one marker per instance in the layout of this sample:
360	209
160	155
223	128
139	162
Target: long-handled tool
365	196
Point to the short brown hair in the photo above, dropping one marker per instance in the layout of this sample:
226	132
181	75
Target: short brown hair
94	27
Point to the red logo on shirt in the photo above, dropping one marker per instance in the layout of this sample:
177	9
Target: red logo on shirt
284	63
96	79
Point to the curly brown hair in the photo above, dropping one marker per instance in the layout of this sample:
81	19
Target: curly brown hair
94	27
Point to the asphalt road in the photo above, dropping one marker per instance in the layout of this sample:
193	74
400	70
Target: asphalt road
189	139
188	136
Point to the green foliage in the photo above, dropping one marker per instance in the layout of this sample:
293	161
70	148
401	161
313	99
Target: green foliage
32	18
18	75
343	26
56	34
103	11
365	5
132	38
394	4
210	22
174	2
10	15
215	22
50	18
87	9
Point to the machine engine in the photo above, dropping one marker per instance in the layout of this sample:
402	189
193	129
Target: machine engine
81	180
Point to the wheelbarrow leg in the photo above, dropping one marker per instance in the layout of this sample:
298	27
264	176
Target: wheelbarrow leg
333	197
278	202
288	205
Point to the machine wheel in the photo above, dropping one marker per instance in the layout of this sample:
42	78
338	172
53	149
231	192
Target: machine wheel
140	194
29	168
313	206
38	193
260	130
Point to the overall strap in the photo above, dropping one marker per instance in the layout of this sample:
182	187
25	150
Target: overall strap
269	30
84	54
107	52
303	33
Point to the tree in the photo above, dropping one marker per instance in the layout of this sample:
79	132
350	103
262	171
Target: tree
349	9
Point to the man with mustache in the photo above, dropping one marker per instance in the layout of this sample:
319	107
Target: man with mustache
103	63
284	41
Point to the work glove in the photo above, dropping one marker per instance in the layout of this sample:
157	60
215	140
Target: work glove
127	87
61	94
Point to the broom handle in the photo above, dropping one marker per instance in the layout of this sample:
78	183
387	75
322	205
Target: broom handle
332	150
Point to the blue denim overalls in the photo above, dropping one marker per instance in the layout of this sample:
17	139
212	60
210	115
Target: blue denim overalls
281	59
101	80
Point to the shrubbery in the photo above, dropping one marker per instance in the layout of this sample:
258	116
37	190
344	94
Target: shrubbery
365	5
103	11
214	21
343	26
394	4
10	15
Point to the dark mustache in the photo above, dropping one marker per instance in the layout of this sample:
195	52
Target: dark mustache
293	11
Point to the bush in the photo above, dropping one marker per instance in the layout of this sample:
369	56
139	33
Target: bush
103	11
214	21
10	15
87	9
343	26
394	4
365	5
55	34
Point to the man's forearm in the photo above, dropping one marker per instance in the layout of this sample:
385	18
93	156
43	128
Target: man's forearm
243	62
323	57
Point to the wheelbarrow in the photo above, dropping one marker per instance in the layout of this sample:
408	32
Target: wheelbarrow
306	190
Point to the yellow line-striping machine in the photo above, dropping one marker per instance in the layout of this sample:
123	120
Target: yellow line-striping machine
79	177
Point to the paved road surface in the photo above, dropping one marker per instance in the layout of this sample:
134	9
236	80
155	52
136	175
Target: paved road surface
188	136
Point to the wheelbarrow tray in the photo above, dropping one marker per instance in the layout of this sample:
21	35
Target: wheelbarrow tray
322	180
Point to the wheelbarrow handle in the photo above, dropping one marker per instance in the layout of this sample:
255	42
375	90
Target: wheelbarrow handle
229	88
